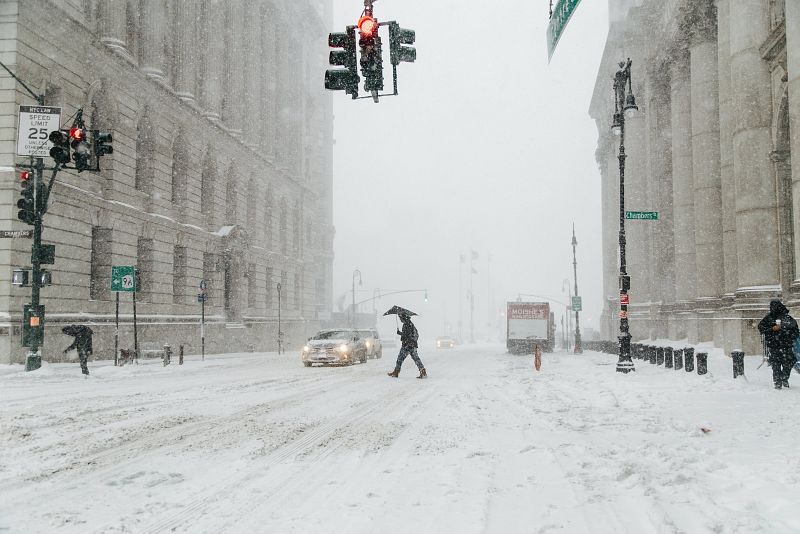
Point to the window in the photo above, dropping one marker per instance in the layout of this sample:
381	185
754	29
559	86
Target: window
268	219
144	263
179	275
231	199
270	287
298	292
207	179
251	285
180	170
209	268
145	150
282	227
297	223
100	264
252	192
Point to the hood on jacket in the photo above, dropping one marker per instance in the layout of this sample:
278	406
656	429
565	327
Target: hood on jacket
776	308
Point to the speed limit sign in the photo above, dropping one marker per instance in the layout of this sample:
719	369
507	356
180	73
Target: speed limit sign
35	125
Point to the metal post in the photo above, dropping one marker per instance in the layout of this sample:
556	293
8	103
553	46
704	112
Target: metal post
353	307
280	334
623	101
135	326
471	298
116	330
33	359
202	329
578	348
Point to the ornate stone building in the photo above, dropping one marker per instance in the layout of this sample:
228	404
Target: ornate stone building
718	88
222	168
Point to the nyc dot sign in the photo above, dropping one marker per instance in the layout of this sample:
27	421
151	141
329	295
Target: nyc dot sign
35	125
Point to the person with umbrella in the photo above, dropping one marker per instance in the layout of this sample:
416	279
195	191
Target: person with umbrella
408	342
82	342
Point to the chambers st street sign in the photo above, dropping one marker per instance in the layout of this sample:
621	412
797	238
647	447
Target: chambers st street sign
558	21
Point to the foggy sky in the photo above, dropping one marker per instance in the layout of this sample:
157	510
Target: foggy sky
487	148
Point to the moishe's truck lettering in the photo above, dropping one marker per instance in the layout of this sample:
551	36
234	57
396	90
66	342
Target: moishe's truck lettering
529	324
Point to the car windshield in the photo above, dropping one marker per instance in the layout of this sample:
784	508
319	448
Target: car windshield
334	334
365	333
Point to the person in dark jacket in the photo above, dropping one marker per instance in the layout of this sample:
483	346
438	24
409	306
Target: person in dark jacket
82	342
779	330
408	346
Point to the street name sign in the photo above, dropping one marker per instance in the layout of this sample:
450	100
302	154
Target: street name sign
577	304
642	215
558	21
16	233
35	125
123	278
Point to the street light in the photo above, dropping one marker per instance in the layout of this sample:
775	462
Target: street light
578	349
353	311
624	107
280	333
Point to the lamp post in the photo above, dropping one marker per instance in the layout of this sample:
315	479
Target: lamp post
353	310
624	106
280	333
578	349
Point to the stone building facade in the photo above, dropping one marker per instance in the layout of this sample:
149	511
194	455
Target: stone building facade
718	88
222	168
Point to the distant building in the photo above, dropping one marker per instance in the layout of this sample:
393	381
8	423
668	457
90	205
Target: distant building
222	168
718	88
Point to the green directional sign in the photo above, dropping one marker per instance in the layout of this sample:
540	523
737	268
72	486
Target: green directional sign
123	278
642	215
558	21
577	304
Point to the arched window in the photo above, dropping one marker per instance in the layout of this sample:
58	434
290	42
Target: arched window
180	170
145	151
283	227
232	197
207	180
268	223
252	196
297	227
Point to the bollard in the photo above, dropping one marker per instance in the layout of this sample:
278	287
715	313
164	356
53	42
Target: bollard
702	363
660	356
738	363
688	359
167	354
180	355
678	357
651	351
668	357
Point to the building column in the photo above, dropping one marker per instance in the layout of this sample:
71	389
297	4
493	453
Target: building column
113	31
793	75
683	187
185	60
154	19
603	156
234	101
757	243
704	82
659	157
252	75
213	57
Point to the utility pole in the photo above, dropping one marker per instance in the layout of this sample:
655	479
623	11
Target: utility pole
578	349
353	307
280	332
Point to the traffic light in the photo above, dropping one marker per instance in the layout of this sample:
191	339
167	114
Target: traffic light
371	56
60	150
398	37
345	79
101	144
26	204
80	148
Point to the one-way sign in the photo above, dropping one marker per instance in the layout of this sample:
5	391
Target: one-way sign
35	125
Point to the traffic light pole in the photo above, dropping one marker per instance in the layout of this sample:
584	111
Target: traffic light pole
33	360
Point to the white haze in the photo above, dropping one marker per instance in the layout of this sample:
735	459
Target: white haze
487	148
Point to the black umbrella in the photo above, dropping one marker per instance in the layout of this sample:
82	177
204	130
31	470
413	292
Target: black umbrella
399	311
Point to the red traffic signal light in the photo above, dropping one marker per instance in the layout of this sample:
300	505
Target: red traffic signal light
368	26
24	176
76	134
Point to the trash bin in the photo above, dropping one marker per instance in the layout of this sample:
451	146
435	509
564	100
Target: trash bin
677	355
688	359
668	357
702	363
738	363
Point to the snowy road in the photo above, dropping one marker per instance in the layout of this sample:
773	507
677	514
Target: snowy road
258	443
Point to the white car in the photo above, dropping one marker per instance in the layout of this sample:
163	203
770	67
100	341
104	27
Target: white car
341	346
373	342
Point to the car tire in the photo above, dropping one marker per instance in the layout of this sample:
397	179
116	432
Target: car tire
307	364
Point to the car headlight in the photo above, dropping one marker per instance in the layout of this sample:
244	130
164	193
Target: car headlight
306	349
343	349
369	344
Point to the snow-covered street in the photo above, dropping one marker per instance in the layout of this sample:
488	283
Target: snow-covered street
258	443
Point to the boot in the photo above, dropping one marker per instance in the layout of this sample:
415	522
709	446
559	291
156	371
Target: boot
394	373
423	373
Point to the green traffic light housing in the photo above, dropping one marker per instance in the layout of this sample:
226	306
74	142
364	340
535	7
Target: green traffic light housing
345	79
398	38
80	148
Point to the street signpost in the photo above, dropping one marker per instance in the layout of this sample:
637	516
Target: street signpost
558	21
35	125
577	304
642	215
16	233
123	279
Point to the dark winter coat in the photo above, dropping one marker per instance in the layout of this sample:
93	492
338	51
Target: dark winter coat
83	338
783	339
409	335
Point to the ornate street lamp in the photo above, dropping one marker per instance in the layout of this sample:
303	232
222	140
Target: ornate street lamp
624	107
578	348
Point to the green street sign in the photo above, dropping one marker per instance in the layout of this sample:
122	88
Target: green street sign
577	304
642	215
558	21
123	278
